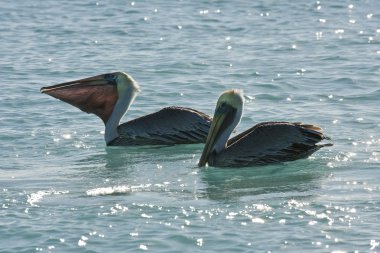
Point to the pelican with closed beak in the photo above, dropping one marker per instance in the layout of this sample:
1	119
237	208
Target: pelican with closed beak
264	143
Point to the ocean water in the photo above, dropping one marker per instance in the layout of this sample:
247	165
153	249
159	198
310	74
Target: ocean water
63	190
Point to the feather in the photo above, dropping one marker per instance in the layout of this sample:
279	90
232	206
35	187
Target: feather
169	126
270	142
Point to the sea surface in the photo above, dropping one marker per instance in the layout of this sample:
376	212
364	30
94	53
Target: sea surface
63	190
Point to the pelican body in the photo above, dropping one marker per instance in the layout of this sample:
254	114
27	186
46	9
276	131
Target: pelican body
264	143
109	96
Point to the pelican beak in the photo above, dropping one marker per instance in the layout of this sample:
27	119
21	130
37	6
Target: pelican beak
222	114
97	94
99	80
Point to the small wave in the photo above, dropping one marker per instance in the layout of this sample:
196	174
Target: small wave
123	189
36	197
109	190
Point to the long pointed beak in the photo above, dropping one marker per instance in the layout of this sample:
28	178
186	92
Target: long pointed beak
213	132
99	80
97	94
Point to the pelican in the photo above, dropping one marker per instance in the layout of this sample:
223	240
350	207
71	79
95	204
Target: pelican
264	143
109	96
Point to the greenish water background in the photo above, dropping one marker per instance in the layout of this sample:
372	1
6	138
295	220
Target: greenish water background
62	190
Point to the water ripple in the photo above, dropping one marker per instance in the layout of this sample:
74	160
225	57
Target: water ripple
63	190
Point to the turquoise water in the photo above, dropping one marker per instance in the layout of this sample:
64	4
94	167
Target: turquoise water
63	190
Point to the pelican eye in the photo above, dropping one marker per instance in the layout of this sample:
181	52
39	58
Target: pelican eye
223	107
223	104
110	78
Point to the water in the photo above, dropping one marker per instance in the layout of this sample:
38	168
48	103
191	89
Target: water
62	190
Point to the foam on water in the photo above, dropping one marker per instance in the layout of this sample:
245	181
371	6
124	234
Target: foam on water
108	190
36	197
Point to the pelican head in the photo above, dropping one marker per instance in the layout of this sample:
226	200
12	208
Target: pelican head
227	116
108	96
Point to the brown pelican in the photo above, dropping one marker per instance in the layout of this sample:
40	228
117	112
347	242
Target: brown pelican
264	143
109	96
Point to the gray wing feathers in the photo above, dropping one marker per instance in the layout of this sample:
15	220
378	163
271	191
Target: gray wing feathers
170	125
271	142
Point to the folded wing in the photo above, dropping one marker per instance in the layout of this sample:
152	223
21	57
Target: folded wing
170	125
271	142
